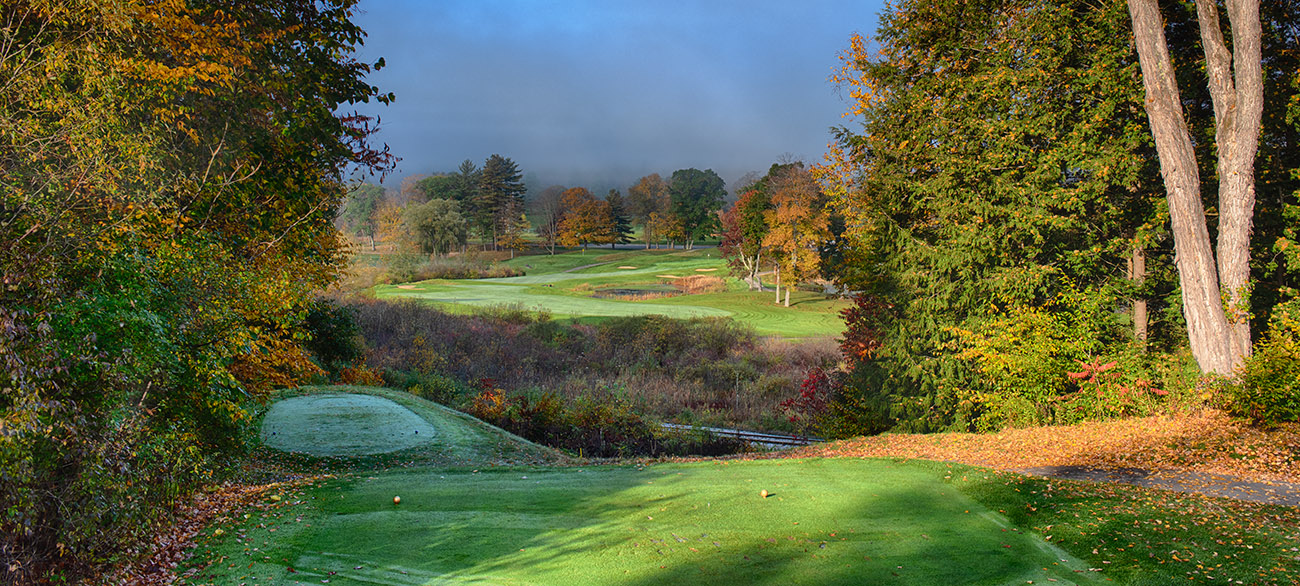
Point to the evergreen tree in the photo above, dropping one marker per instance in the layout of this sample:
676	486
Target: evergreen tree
500	187
1000	168
622	223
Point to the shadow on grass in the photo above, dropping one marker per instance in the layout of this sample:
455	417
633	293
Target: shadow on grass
823	522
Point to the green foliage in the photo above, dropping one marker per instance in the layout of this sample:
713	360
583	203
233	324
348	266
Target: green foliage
1269	390
335	339
360	207
1000	164
170	178
437	225
696	197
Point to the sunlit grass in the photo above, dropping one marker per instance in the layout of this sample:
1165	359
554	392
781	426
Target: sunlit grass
563	286
822	521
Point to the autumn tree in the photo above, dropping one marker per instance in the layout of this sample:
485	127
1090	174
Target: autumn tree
797	224
513	224
390	225
622	223
648	196
696	196
665	227
744	225
170	173
1219	334
586	220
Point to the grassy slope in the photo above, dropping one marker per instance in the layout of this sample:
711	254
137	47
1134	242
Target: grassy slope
461	440
826	521
560	285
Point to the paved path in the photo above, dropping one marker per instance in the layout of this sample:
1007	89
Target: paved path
1274	493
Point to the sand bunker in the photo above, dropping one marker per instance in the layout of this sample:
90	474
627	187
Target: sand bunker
626	267
705	270
668	276
343	424
407	287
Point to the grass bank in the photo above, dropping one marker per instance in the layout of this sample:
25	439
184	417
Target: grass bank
822	521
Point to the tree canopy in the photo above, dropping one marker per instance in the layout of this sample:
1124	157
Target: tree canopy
696	196
169	178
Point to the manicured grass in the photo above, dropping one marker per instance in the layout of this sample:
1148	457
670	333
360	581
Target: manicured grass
563	285
824	522
308	422
343	424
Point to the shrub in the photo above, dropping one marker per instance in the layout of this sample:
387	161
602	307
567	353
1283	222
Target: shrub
700	284
806	409
428	385
335	339
1269	390
667	366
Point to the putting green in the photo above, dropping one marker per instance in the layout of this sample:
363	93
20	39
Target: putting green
822	522
343	424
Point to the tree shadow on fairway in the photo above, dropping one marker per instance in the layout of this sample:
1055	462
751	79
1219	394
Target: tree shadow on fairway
898	533
823	522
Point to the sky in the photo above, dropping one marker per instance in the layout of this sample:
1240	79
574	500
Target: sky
597	93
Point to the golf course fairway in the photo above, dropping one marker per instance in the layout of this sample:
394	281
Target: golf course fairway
566	286
822	521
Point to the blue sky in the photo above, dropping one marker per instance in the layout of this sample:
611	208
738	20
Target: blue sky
599	93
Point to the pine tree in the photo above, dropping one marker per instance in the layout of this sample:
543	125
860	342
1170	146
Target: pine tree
622	223
500	187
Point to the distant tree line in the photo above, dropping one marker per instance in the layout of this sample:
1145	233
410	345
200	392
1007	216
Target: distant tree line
443	212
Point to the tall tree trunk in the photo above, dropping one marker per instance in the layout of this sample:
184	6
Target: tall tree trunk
1238	108
1220	341
1137	273
778	283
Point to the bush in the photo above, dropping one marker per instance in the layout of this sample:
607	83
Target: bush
431	386
335	335
666	365
1269	390
460	267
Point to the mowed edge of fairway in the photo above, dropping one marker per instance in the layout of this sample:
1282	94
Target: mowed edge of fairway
824	521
